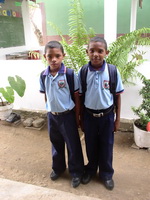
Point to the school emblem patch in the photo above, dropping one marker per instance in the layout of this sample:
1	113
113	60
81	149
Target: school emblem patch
61	83
106	84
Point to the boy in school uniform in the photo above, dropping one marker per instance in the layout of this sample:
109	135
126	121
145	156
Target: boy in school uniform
98	113
62	120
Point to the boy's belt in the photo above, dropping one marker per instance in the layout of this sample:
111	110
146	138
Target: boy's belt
60	113
99	113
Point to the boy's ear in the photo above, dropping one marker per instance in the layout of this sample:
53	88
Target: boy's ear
107	52
64	54
87	51
44	55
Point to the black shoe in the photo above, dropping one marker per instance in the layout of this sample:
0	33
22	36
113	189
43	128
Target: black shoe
54	176
13	117
75	182
86	178
109	184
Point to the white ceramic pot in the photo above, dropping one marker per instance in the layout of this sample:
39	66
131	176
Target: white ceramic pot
141	137
5	111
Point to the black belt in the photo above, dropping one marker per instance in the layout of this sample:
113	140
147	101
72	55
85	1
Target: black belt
99	113
61	113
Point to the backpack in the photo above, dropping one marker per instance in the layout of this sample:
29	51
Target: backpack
70	80
112	77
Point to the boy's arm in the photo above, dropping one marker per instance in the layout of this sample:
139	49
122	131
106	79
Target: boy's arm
77	106
81	112
45	97
80	102
42	87
76	98
119	91
117	111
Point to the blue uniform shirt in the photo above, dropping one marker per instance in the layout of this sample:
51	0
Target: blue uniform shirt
97	95
57	90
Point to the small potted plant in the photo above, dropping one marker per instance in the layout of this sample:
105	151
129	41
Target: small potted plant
7	95
142	124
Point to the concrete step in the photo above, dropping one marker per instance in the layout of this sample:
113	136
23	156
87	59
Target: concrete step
13	190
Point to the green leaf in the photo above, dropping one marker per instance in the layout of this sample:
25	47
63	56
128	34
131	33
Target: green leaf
17	84
8	94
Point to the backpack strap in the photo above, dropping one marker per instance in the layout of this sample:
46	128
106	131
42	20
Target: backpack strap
83	75
112	77
113	81
69	77
42	76
70	81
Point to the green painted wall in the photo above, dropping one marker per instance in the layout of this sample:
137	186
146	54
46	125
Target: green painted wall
124	12
123	16
94	14
143	15
57	12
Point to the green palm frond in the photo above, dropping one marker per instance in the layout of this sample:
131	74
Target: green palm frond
79	36
77	29
128	45
76	57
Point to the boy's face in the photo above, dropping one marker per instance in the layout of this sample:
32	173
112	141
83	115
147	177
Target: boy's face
54	57
96	52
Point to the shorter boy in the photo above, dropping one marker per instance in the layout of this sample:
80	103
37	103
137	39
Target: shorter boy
56	82
98	113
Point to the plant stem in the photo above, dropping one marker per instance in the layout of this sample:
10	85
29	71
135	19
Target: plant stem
2	101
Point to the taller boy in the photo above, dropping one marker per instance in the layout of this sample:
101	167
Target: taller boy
98	113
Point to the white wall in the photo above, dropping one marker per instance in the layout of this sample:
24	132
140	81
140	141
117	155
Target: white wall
29	70
110	20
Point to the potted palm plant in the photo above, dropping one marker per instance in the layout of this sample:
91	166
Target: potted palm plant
141	125
16	84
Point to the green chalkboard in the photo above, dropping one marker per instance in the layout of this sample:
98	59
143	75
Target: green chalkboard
11	32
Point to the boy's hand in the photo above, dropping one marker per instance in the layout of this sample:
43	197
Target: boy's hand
77	120
116	125
117	110
77	107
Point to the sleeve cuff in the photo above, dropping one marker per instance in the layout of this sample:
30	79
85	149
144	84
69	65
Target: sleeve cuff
76	90
42	91
120	92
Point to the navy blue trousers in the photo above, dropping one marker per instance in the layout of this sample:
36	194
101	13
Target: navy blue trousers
63	130
99	139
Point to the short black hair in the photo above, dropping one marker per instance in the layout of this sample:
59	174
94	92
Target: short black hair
54	44
98	39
